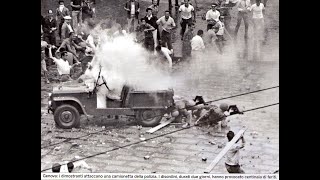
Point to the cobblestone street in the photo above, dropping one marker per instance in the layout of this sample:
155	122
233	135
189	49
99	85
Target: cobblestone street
182	152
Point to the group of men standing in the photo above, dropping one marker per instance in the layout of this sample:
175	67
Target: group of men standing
65	21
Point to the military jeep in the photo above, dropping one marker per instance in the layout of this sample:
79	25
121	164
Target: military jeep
68	102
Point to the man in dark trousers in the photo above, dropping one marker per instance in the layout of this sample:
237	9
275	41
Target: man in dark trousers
76	12
87	10
133	8
233	155
147	30
49	29
186	13
61	12
167	23
152	20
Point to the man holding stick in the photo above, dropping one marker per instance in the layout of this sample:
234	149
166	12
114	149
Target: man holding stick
233	155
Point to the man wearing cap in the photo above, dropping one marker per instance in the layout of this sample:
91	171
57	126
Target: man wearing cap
186	11
212	16
66	28
243	13
76	12
133	8
61	12
49	28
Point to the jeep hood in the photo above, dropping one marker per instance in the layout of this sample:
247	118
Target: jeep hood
75	88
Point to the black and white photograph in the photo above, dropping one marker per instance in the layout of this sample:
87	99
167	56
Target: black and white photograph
159	89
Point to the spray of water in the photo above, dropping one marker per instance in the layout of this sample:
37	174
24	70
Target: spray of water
123	61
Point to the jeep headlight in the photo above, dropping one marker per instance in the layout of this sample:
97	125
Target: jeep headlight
50	94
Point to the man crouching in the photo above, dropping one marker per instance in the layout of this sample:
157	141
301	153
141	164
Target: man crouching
215	116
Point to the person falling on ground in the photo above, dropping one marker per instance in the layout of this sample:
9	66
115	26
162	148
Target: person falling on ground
181	111
233	155
214	116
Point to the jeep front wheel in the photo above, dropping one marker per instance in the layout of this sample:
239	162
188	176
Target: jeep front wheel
149	118
67	116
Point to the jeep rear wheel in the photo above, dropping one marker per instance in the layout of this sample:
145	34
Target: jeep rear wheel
67	116
149	118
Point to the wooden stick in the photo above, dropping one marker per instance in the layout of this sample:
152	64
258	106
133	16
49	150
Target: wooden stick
154	129
225	150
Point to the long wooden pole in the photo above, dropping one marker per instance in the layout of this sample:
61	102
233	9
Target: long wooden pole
225	150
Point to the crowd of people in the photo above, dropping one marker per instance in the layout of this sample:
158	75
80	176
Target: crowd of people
63	32
63	41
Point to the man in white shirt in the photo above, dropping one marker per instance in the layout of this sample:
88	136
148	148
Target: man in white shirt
165	52
212	16
197	46
243	13
258	20
63	65
185	12
219	29
133	9
167	23
258	28
233	155
197	42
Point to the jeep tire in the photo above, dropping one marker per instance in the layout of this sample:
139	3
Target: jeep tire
67	116
149	117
